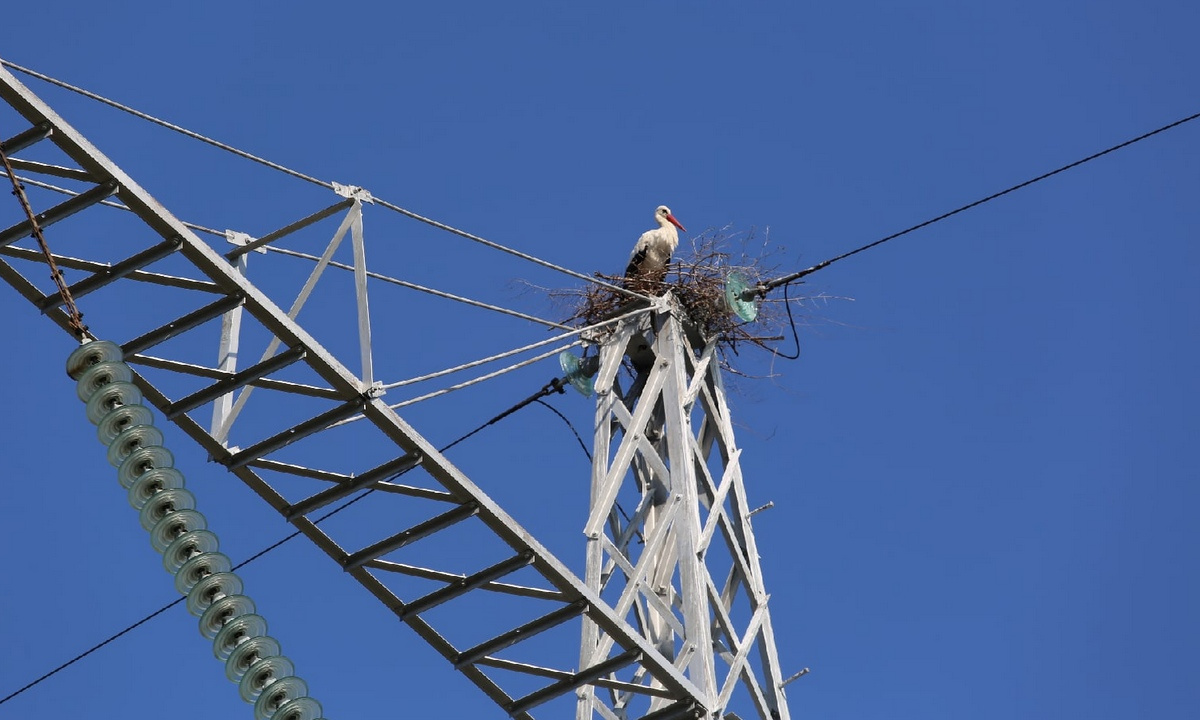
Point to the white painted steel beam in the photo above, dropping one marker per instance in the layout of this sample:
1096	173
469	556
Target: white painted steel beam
628	659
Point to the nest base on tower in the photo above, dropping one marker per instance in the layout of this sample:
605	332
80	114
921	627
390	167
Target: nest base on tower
696	287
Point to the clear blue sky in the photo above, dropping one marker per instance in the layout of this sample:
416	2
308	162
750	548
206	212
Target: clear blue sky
984	466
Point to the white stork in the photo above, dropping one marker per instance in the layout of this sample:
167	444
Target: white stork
653	250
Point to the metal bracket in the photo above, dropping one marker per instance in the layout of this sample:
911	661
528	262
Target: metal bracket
353	192
241	239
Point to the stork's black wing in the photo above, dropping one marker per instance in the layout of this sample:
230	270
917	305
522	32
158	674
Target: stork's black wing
635	262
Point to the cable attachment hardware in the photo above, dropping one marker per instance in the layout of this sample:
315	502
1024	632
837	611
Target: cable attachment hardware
353	192
241	239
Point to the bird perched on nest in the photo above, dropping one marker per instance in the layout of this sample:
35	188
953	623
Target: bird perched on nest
650	256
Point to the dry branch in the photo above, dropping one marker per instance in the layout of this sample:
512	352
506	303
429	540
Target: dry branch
696	280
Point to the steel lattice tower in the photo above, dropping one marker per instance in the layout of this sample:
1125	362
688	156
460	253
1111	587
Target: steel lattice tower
682	562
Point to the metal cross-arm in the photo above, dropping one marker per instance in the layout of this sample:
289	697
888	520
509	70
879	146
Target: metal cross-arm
209	288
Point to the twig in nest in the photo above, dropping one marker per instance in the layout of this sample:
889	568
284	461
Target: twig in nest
697	282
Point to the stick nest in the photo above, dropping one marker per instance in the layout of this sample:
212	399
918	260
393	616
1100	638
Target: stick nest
697	279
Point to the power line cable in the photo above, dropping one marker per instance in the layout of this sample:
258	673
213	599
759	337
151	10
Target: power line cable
765	287
556	385
515	351
332	263
424	289
321	183
571	427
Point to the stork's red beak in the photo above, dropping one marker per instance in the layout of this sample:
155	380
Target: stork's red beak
675	222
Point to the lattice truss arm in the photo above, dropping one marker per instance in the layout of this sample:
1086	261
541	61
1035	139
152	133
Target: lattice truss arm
155	287
671	548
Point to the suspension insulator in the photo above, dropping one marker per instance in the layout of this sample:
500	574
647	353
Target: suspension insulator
167	510
133	438
109	398
143	460
222	611
187	546
237	631
262	673
211	589
93	353
277	694
99	375
199	567
165	503
151	482
174	524
248	653
301	708
114	423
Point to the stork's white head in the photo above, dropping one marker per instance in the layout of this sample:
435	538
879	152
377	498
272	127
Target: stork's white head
663	216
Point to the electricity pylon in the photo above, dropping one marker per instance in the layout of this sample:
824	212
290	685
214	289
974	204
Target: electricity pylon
670	639
681	564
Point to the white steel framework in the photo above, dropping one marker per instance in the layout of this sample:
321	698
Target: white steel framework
667	629
681	564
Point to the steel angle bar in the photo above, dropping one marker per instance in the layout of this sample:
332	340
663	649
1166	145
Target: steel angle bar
64	261
288	229
386	471
743	655
61	211
418	492
466	584
646	563
414	533
611	484
228	351
48	169
567	684
360	294
700	370
27	138
301	471
676	711
553	674
335	477
448	577
237	380
292	434
718	498
216	374
113	273
589	700
721	617
520	634
181	325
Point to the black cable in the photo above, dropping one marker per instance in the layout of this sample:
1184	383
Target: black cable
554	410
556	385
93	649
792	321
763	288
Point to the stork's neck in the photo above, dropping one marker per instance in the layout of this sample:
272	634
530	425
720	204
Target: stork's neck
668	232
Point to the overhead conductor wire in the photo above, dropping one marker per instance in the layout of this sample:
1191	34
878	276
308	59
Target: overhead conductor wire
556	385
332	263
328	185
763	288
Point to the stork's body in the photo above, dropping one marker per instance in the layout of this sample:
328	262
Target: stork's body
653	249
